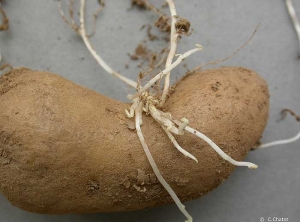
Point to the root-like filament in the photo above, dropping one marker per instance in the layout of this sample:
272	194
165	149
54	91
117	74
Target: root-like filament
138	115
279	142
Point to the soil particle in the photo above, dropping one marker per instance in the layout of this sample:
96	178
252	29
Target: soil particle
141	4
143	178
93	186
139	189
150	35
284	112
4	157
181	181
215	86
183	26
126	182
141	51
5	21
163	24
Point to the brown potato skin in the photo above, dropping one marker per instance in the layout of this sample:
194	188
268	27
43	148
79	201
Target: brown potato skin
67	149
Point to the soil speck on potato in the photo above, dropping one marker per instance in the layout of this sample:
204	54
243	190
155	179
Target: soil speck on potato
126	182
139	189
181	181
93	186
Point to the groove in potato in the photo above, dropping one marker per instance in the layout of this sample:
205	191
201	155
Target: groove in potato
67	149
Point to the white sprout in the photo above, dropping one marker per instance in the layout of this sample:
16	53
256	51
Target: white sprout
217	149
293	15
165	71
178	147
95	54
132	108
162	119
280	142
173	47
163	182
167	123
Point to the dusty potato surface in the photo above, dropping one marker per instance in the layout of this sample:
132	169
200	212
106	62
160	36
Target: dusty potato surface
67	149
